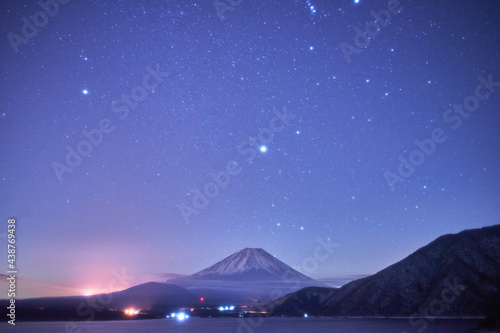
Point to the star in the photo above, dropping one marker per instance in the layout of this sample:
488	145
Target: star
311	7
263	149
85	91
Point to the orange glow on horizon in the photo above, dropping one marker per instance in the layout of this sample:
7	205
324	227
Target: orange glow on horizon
95	291
89	292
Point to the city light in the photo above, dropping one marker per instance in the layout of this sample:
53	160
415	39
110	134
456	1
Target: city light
131	311
226	308
180	316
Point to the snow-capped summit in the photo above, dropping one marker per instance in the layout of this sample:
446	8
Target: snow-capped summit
250	264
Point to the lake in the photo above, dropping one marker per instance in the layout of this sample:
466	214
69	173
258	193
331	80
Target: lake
247	325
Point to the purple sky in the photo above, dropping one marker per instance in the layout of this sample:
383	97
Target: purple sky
178	95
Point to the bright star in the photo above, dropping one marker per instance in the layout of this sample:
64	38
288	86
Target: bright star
312	8
85	91
356	1
263	149
311	48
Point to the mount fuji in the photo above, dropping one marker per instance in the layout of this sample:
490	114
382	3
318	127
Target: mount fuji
251	273
250	264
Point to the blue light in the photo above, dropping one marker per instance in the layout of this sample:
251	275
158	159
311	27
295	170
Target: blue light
226	308
179	315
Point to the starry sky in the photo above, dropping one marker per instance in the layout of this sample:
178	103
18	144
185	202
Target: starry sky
161	137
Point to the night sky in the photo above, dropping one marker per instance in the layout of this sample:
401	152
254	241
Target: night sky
312	125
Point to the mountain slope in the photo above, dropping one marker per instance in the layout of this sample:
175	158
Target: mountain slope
308	300
252	265
151	294
456	274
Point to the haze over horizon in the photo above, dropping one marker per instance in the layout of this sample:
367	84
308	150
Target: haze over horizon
166	97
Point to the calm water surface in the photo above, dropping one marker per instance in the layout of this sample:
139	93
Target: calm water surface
246	325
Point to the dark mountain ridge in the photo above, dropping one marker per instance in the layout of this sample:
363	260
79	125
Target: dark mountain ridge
455	275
